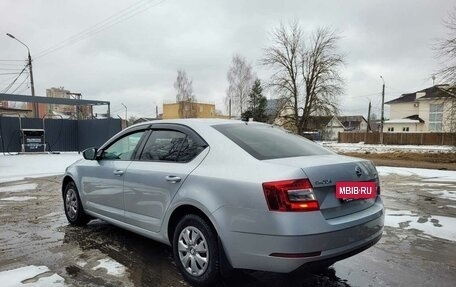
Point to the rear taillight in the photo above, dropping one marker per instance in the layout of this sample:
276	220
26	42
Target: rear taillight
290	195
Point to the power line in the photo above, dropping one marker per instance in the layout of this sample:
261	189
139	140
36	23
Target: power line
121	16
11	65
23	82
14	81
9	73
9	69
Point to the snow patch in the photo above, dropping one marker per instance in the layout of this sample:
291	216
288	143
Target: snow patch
19	187
112	267
18	198
434	225
18	167
445	194
27	277
81	263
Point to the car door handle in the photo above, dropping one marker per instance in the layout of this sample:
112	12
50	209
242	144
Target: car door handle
172	179
118	172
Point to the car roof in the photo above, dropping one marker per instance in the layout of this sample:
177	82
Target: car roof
192	122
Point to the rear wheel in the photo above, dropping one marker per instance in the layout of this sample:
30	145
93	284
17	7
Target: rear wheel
73	208
195	251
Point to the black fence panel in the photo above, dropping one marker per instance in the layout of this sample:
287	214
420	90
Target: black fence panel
10	134
60	134
93	133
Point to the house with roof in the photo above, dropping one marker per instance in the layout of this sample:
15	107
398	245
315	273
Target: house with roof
353	123
329	126
429	110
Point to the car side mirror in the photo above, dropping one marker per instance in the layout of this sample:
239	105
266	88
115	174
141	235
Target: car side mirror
90	153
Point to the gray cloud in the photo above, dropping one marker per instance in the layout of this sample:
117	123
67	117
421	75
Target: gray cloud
135	62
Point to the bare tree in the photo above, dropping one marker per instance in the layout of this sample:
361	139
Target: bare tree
185	96
240	78
446	50
306	73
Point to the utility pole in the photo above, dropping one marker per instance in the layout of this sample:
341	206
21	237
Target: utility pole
368	122
383	111
368	118
126	118
156	112
32	86
229	108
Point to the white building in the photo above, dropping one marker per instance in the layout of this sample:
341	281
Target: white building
429	110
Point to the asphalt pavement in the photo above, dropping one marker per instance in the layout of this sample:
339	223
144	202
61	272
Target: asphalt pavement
37	246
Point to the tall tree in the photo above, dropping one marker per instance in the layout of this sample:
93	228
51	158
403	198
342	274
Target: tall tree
257	103
240	78
184	96
306	72
446	50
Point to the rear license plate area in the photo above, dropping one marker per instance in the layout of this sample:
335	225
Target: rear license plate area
348	191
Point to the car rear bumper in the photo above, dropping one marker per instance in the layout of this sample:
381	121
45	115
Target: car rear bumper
278	253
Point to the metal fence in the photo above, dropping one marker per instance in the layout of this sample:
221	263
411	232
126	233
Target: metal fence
399	138
61	135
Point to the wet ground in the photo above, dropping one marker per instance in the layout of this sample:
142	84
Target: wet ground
39	248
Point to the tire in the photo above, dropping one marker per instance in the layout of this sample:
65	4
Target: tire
73	208
195	241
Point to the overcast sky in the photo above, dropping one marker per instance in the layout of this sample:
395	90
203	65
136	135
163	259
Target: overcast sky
135	62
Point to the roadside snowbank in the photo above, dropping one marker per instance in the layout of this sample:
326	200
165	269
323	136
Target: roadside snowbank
376	148
427	174
20	166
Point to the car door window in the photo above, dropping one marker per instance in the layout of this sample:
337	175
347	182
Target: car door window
123	148
168	145
190	149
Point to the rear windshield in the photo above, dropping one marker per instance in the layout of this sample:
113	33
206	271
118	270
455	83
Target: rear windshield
269	142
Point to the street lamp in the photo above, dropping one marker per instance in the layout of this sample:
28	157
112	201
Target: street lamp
31	71
383	110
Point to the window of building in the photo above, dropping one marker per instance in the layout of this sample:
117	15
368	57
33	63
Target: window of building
406	129
391	129
435	117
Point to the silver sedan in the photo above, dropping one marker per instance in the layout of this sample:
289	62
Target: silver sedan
228	194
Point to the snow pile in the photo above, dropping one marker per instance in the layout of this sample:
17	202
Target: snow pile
377	148
436	226
18	167
31	276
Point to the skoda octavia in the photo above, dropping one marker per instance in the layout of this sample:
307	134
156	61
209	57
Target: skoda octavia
228	193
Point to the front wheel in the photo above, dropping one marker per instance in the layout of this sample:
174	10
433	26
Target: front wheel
73	207
195	251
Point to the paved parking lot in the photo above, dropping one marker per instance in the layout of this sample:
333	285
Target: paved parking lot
38	247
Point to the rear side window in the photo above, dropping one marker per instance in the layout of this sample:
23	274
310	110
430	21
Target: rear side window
268	142
169	145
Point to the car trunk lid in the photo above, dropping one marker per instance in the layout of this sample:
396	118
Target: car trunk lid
324	171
